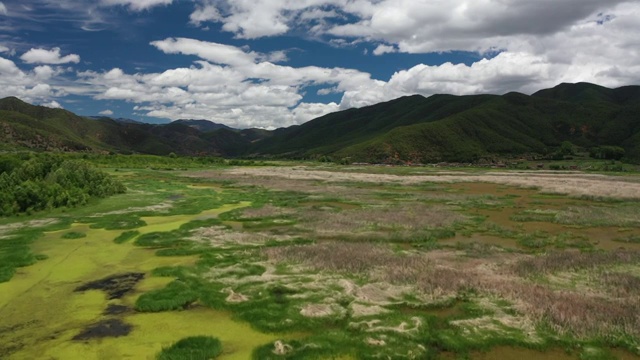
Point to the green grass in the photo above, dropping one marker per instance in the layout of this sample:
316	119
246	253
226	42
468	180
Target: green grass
126	236
634	239
192	348
176	295
74	235
115	222
15	248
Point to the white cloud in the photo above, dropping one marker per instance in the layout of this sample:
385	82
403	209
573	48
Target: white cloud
204	12
106	112
230	85
306	111
384	49
46	72
52	104
505	72
4	49
9	68
3	9
213	52
33	86
43	56
136	5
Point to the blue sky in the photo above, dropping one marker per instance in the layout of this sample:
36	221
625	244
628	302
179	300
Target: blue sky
274	63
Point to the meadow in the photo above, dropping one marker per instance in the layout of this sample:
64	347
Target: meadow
201	260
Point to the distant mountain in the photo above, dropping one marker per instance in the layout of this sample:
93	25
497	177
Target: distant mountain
120	120
25	126
469	128
408	129
203	125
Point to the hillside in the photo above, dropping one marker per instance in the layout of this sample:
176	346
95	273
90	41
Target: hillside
202	125
24	126
470	128
408	129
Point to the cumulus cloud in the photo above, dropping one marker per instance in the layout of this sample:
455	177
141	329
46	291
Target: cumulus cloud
43	56
232	85
106	112
136	5
52	104
540	43
414	26
384	49
32	86
251	19
205	12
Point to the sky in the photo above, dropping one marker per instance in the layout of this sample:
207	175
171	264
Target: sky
277	63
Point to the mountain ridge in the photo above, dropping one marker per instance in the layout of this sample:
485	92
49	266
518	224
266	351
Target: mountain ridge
413	128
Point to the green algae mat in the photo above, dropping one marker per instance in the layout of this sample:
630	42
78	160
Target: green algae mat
44	316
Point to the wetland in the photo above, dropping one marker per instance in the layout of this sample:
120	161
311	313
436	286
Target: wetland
309	261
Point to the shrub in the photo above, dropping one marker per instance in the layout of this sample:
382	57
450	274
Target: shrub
42	183
193	348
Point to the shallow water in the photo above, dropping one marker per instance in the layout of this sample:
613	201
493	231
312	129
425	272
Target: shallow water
40	313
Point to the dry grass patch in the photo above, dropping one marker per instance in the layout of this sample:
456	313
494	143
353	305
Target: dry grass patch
621	284
266	211
162	207
575	184
573	260
622	215
4	229
220	237
351	258
406	221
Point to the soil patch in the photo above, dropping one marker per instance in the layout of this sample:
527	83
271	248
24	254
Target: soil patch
114	309
105	329
115	286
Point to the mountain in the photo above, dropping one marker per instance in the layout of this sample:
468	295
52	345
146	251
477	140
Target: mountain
408	129
25	126
203	125
469	128
120	120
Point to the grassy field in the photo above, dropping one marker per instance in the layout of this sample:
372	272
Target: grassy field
299	261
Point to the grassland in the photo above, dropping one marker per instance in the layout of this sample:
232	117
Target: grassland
310	262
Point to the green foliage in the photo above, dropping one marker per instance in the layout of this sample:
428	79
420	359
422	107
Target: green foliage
192	348
74	235
567	148
15	253
469	128
176	295
15	249
115	222
126	236
48	182
607	152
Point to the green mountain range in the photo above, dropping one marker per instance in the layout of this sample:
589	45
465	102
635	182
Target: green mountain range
408	129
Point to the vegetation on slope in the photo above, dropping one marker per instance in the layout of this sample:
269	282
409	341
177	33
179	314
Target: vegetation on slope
409	129
24	126
470	128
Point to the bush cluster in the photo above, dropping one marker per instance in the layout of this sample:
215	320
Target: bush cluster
38	183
